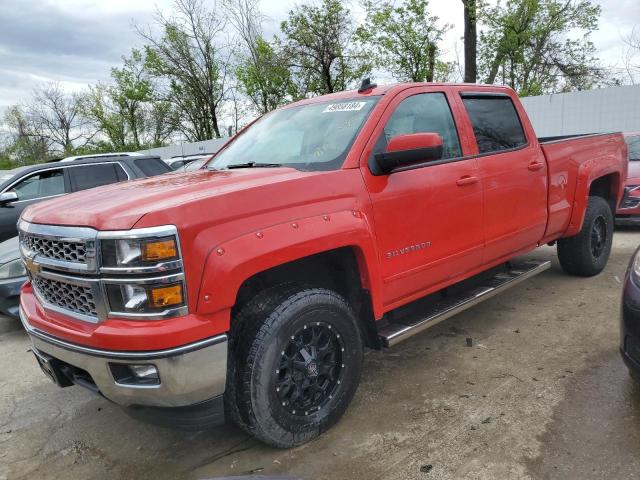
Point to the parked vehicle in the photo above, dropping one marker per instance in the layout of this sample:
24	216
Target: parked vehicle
12	276
195	165
91	156
630	318
25	186
176	163
629	211
352	219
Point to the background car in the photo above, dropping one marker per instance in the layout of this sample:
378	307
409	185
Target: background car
630	321
25	186
12	276
176	163
629	211
195	165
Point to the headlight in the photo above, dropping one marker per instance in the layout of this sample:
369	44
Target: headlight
145	298
13	269
138	252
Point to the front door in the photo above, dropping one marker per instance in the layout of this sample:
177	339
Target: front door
428	219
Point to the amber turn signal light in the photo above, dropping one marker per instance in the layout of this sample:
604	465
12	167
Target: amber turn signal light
159	250
160	297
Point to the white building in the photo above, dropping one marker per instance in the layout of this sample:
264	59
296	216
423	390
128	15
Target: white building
614	109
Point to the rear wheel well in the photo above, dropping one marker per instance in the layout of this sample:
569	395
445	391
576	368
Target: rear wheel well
336	270
607	188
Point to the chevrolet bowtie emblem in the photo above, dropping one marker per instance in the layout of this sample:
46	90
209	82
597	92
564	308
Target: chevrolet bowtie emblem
31	265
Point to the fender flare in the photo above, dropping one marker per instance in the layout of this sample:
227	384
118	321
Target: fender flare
588	172
238	259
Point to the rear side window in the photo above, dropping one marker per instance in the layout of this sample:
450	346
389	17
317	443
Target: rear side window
152	166
495	122
94	175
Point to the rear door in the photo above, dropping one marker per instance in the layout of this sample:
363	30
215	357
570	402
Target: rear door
428	218
513	172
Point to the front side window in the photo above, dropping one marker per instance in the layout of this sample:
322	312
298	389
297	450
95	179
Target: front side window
495	122
423	113
40	185
310	137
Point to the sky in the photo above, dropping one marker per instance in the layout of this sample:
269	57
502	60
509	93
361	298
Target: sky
76	42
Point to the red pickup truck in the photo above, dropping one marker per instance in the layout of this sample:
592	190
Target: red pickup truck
250	288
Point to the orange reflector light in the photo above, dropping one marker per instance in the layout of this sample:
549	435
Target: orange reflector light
159	250
165	296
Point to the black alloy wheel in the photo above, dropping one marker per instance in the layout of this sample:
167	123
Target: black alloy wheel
310	369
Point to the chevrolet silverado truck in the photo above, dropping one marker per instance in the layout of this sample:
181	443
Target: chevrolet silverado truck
249	289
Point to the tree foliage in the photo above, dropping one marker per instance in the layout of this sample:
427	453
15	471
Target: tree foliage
404	39
319	41
526	45
192	64
262	72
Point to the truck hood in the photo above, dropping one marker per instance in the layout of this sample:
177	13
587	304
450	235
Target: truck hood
120	206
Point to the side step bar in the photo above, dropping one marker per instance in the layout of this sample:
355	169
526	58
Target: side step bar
516	272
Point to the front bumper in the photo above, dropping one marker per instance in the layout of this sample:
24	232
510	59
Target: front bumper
10	295
189	374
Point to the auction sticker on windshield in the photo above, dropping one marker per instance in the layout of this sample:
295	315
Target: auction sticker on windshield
344	107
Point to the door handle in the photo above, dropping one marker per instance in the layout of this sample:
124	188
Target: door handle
535	166
466	180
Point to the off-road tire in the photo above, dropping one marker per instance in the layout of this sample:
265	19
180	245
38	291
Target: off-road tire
576	254
261	331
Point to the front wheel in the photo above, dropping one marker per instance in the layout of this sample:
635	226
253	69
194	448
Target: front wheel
296	364
586	254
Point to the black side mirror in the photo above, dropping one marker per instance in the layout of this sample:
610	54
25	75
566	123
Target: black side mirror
405	150
8	197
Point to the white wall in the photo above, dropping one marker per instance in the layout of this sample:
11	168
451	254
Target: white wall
615	109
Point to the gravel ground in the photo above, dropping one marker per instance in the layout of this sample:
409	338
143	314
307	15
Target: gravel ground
541	394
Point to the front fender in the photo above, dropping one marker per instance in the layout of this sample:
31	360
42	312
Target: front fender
231	263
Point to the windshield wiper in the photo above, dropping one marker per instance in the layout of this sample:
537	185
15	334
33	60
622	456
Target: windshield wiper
254	165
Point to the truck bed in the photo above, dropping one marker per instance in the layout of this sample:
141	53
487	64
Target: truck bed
569	159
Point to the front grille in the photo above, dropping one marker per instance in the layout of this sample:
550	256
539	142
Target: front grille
66	295
62	250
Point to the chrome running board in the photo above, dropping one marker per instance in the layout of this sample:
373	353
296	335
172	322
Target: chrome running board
448	306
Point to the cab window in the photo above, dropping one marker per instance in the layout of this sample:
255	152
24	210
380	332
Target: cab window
495	122
40	185
422	113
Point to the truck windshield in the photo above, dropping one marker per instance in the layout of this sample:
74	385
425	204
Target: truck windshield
309	137
633	146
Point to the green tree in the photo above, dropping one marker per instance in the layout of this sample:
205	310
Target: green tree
319	43
404	39
25	142
526	45
131	91
108	117
192	65
265	78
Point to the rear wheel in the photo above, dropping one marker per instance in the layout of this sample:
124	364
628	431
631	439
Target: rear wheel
296	364
586	254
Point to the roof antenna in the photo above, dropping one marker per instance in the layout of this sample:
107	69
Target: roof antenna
366	85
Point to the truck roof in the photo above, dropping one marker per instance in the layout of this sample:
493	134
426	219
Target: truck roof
392	87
